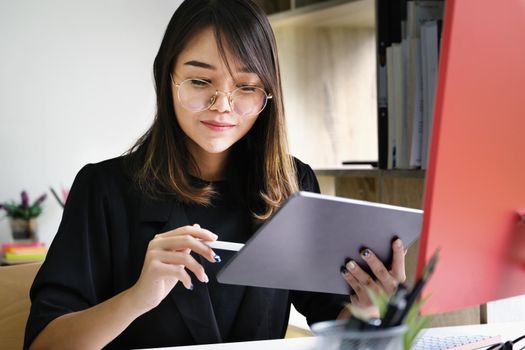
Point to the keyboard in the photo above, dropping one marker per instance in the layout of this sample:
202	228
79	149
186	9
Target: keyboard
463	342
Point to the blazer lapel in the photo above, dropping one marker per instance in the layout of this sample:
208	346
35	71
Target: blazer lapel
194	305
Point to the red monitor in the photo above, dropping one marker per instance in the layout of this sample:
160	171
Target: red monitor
476	173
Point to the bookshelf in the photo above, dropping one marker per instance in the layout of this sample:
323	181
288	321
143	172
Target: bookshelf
336	84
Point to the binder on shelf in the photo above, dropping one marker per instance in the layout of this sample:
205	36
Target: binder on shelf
391	102
389	14
415	103
419	13
402	154
429	64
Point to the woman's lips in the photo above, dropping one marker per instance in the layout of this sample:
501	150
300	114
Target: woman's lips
217	126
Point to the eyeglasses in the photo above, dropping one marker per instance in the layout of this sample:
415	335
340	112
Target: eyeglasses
197	95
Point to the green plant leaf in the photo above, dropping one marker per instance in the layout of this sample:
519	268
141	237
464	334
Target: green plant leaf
415	323
35	211
413	330
21	211
380	300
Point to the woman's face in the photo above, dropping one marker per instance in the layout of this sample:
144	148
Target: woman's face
216	129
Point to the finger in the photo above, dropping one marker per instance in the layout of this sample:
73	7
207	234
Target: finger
384	277
195	231
183	276
186	260
188	251
360	275
176	271
357	287
398	261
186	279
183	242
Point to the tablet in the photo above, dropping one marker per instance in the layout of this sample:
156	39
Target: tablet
303	245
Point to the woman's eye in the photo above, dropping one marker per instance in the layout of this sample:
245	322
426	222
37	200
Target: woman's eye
248	89
199	83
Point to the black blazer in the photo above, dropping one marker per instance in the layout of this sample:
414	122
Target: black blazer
99	250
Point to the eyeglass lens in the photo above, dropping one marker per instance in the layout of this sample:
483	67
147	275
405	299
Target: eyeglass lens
198	95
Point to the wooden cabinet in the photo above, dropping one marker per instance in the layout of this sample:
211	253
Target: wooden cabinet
327	57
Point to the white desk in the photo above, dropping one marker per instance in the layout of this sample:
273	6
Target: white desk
508	331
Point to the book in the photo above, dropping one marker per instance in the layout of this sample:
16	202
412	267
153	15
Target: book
4	246
13	257
402	135
389	13
429	69
404	110
418	12
415	110
391	135
22	252
26	250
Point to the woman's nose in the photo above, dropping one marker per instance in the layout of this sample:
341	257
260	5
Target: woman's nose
222	102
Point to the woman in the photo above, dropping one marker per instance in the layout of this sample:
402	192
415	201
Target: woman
128	268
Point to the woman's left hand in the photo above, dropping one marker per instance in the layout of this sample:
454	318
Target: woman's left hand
384	279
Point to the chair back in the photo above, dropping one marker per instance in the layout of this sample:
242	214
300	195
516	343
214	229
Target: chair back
15	282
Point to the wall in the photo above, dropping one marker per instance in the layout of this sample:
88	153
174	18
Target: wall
76	86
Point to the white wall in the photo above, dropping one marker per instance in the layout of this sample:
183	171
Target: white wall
76	86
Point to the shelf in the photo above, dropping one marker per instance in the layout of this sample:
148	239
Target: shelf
335	13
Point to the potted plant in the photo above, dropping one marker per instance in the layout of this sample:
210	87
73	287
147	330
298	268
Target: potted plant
23	216
396	328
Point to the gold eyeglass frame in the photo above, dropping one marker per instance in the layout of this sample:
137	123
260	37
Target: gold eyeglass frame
217	92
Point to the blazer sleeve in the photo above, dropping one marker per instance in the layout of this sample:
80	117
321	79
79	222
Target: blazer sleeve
316	307
75	274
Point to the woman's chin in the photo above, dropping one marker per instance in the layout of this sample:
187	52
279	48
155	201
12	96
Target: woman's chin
216	149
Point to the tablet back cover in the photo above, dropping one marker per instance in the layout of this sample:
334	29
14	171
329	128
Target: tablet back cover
305	243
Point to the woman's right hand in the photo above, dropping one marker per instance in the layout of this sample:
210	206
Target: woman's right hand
167	261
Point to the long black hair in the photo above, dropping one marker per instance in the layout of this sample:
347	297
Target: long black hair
259	163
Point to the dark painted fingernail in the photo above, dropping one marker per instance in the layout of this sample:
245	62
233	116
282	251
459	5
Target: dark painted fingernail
347	260
217	258
365	253
343	270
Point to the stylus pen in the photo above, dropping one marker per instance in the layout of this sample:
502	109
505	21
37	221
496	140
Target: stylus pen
234	247
396	308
